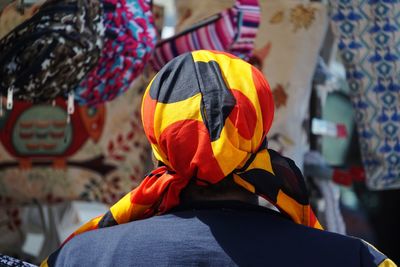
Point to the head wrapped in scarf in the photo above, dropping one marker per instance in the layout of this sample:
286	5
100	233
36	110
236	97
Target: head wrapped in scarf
206	115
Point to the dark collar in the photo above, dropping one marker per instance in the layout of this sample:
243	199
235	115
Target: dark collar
225	205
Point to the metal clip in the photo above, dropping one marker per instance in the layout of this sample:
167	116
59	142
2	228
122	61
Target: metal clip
70	104
10	93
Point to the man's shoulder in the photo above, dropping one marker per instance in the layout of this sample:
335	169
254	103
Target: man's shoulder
239	235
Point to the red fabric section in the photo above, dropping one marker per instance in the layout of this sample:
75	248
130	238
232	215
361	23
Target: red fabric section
358	173
243	115
159	185
341	131
189	150
346	177
148	109
342	177
161	190
264	97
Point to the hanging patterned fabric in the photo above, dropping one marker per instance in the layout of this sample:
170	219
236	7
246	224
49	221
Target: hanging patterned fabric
99	156
232	30
369	44
286	49
7	261
130	39
49	54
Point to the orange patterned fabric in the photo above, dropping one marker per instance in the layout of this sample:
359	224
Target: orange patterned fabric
206	115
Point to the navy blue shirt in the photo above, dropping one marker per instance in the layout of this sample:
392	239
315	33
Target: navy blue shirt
217	234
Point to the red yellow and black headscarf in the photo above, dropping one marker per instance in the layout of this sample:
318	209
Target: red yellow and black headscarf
206	115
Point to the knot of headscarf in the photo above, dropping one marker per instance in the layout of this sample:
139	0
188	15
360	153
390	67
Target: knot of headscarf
206	115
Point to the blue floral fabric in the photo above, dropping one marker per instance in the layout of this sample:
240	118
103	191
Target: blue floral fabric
369	45
7	261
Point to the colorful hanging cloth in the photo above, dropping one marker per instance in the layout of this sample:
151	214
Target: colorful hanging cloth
130	40
369	38
51	52
233	30
206	115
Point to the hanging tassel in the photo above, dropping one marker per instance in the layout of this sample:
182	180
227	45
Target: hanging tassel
71	107
70	111
10	93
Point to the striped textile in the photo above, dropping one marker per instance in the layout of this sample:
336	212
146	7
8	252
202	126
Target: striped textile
233	30
129	41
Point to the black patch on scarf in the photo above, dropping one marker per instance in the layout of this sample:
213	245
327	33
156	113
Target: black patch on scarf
293	183
52	259
264	182
287	178
107	220
176	81
217	101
